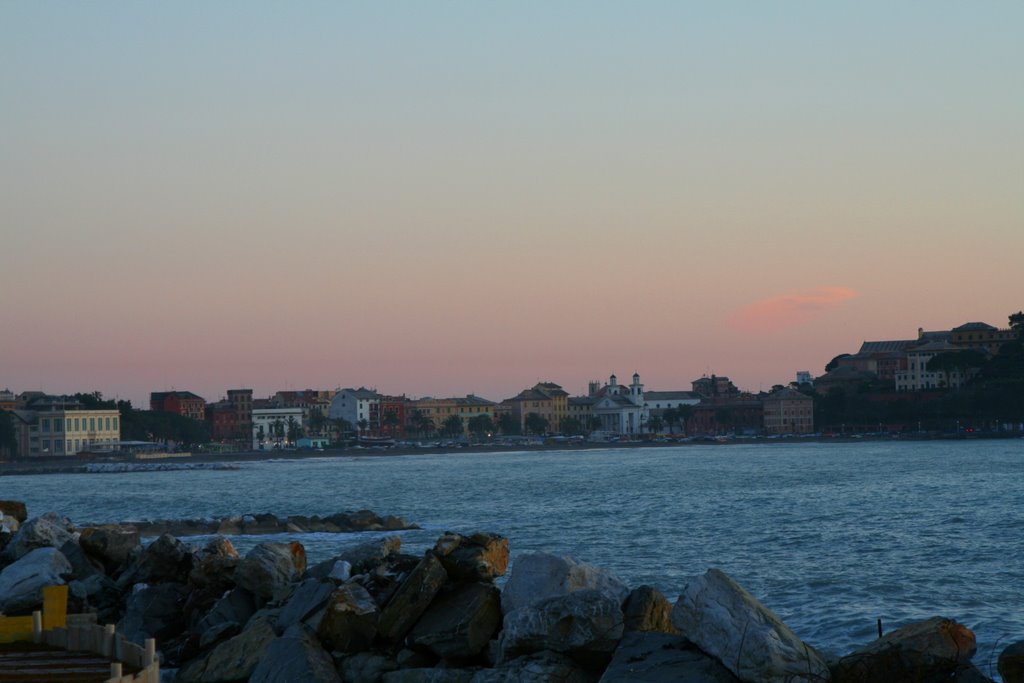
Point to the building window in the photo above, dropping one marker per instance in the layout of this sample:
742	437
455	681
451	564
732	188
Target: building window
45	424
108	424
58	424
115	424
92	424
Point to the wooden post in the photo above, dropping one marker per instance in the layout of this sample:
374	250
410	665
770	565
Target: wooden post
150	655
37	627
108	640
115	669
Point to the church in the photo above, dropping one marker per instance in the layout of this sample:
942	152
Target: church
621	409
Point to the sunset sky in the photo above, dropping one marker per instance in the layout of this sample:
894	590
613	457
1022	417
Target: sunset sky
442	198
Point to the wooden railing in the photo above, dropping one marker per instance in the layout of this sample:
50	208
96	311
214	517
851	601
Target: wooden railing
54	627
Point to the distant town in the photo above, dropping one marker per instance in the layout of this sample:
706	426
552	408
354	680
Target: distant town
965	381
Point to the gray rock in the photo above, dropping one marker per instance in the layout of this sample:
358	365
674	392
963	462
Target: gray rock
728	623
585	624
270	567
310	595
537	576
82	566
1011	663
365	667
540	667
412	598
154	612
933	649
22	582
100	594
650	657
460	622
350	618
647	609
480	557
47	531
214	565
361	558
429	676
218	633
295	657
112	545
232	660
165	559
236	606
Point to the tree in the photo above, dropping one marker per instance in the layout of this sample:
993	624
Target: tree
508	424
363	425
421	423
480	426
955	361
536	424
391	422
342	426
452	426
294	430
834	363
317	421
277	430
724	417
571	426
8	443
655	424
670	416
1017	323
260	435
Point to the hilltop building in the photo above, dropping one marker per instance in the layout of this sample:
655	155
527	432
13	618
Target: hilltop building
788	411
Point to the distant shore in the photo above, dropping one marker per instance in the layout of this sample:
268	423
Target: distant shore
86	465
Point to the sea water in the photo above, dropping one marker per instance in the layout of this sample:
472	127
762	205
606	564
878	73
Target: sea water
831	537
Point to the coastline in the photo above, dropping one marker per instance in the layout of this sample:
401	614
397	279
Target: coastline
119	464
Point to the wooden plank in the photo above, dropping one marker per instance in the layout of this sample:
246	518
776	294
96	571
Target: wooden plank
55	607
14	629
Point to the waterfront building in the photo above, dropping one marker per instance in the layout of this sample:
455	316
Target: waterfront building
545	399
359	407
620	409
438	410
223	419
714	387
56	425
788	411
270	426
181	402
581	409
8	401
241	399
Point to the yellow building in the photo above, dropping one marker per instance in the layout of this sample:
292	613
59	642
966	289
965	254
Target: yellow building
57	427
787	411
438	410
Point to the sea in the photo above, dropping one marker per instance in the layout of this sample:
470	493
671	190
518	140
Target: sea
830	536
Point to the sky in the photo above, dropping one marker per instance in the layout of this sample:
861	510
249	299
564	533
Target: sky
454	197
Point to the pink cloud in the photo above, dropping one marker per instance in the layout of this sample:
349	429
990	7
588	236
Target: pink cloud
788	310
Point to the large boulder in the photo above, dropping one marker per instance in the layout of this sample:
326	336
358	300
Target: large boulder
295	657
235	607
1011	663
460	622
538	576
47	531
429	676
934	649
727	622
269	567
22	583
539	667
14	508
412	598
649	657
350	618
165	559
647	609
82	566
99	594
306	601
584	624
234	659
154	612
362	558
480	557
113	545
365	667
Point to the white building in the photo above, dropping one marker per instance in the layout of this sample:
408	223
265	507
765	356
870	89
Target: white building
917	377
356	405
270	426
622	410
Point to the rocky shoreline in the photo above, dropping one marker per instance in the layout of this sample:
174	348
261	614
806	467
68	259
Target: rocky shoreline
373	614
266	523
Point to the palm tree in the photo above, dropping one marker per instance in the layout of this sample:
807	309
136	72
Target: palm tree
654	424
453	426
294	430
363	424
391	422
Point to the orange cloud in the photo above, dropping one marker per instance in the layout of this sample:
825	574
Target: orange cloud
787	310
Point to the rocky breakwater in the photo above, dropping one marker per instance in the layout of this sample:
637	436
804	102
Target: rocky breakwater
373	614
266	523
